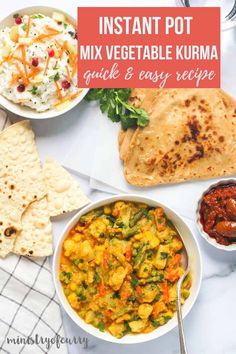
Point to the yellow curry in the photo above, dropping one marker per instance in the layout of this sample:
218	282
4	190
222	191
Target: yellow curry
119	268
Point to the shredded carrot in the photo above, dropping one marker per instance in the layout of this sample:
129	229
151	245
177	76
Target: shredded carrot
24	60
22	75
68	73
15	78
44	36
67	98
58	90
28	27
33	73
62	51
74	68
50	29
46	66
21	60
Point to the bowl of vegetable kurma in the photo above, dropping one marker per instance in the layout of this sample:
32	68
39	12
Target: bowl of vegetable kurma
117	265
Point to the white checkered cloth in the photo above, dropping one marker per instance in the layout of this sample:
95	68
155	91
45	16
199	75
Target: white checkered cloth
30	318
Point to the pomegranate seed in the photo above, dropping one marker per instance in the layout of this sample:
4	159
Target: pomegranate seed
35	62
65	85
21	88
18	20
51	53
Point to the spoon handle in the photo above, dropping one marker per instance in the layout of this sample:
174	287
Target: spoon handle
183	348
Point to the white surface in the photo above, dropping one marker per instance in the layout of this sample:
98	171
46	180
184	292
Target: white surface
210	325
195	268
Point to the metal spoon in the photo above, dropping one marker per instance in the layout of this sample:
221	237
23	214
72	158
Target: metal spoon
186	265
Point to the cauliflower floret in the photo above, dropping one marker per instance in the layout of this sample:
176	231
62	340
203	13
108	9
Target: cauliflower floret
152	240
161	257
69	247
86	252
116	278
176	244
149	292
73	300
145	311
98	227
117	329
99	254
145	269
137	326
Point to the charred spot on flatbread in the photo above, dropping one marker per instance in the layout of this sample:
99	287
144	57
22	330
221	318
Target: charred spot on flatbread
10	231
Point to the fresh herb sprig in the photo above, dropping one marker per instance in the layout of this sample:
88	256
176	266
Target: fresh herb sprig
114	103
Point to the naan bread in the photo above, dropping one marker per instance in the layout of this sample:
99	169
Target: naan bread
191	135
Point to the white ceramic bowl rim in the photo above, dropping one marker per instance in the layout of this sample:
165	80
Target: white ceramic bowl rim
195	259
205	235
24	111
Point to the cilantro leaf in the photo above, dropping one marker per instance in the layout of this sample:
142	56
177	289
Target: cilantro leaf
114	103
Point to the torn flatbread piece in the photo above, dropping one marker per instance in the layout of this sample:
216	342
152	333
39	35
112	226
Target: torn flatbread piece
35	238
21	180
63	191
191	135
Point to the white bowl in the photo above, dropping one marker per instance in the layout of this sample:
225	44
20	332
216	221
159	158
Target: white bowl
205	235
196	270
24	111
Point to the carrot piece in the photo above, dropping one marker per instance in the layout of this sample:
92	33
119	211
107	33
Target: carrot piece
156	310
124	295
58	90
105	259
172	275
165	292
102	290
128	252
28	26
175	261
138	290
108	313
46	66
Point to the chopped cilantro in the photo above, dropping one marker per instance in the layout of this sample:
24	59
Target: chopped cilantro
82	297
55	77
37	16
34	90
25	27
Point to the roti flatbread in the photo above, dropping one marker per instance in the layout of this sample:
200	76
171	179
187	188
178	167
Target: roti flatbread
63	191
21	180
191	135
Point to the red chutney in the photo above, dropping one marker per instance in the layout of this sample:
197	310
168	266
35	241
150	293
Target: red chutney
214	212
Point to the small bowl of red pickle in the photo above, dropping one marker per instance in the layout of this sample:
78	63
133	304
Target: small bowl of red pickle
216	215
